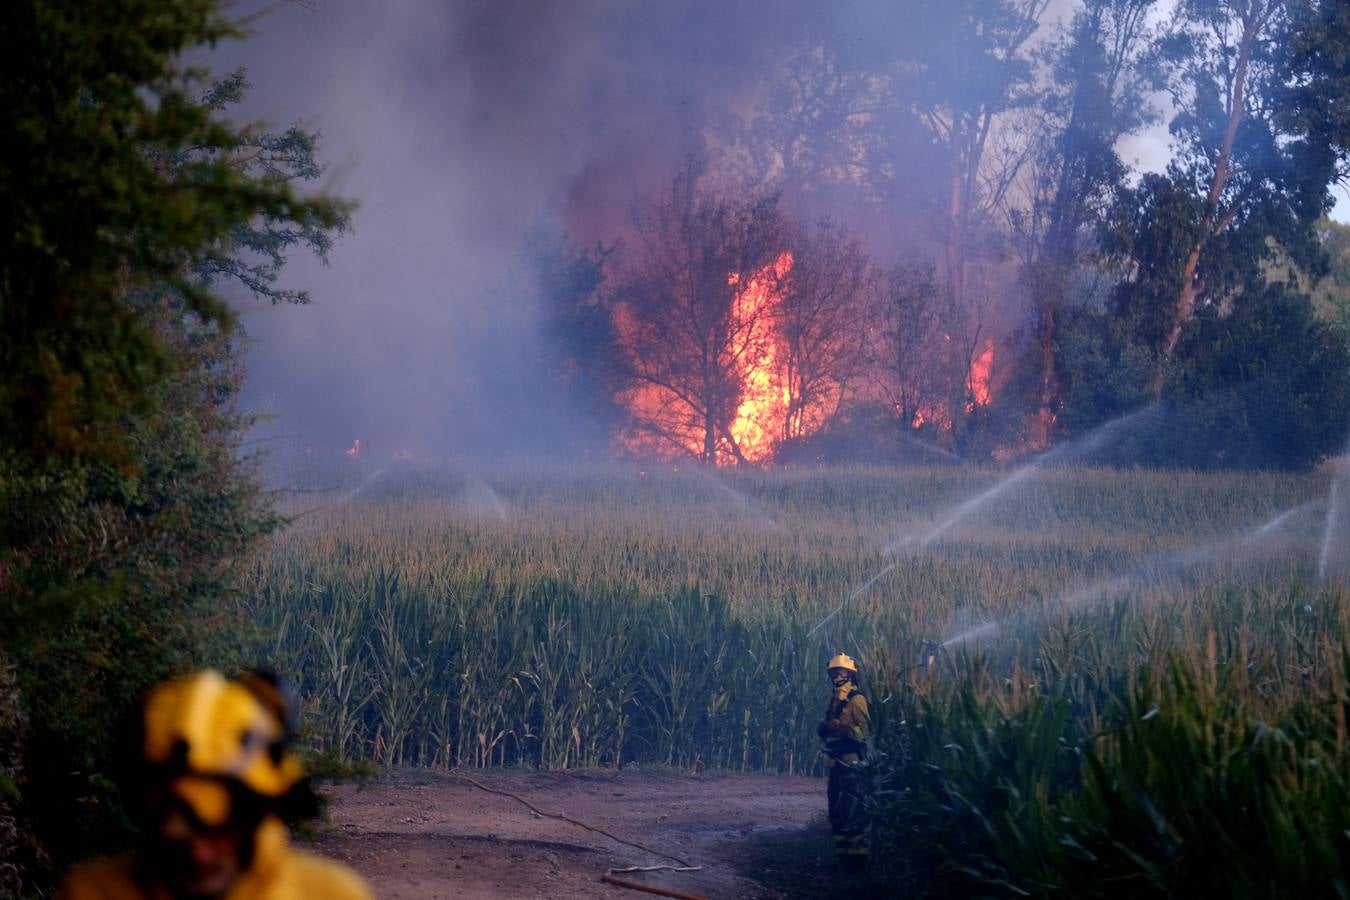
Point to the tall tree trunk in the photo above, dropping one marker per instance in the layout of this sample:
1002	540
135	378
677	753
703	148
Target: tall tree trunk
1191	286
1052	270
955	249
710	405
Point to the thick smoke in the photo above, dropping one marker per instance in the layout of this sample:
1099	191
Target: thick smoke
461	128
458	131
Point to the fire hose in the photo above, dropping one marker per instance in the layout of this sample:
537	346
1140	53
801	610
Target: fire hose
932	651
611	876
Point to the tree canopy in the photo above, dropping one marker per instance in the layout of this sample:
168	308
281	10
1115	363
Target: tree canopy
117	179
128	200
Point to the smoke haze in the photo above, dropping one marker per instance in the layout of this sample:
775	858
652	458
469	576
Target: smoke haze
459	128
457	132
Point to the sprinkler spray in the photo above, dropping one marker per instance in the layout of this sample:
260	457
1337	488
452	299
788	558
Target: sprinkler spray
932	653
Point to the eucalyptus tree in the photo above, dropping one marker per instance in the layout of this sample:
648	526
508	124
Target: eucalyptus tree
1102	77
967	67
1260	133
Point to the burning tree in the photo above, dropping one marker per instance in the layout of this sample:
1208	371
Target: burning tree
906	355
741	329
932	360
695	311
823	327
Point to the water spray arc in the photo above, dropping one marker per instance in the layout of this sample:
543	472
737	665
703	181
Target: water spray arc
1340	469
478	497
365	483
1093	440
743	502
932	449
921	541
1150	567
858	592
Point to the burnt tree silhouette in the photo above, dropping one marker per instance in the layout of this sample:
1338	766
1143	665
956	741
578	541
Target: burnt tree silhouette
688	346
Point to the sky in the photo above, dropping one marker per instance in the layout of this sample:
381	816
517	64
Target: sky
458	128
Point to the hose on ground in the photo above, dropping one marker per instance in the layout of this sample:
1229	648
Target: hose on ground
685	865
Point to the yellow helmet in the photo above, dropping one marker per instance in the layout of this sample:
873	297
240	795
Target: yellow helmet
842	661
204	731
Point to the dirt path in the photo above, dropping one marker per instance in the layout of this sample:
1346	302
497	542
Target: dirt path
426	835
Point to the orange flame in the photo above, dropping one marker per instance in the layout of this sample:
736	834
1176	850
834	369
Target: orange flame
978	380
762	404
355	449
978	391
764	398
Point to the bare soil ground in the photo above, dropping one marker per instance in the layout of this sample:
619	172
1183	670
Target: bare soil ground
426	835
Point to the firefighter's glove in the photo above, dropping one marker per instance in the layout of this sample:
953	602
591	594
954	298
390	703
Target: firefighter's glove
833	728
823	728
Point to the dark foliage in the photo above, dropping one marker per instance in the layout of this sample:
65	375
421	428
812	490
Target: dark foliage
1177	787
581	343
1250	389
127	198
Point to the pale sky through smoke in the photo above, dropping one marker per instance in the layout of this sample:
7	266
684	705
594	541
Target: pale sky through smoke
458	128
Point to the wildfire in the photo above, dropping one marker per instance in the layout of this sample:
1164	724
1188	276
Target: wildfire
978	379
354	450
756	366
754	352
763	409
978	393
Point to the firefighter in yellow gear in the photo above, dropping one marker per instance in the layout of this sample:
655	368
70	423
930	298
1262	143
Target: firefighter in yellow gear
844	733
216	783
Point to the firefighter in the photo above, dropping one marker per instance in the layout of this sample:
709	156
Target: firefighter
844	733
215	781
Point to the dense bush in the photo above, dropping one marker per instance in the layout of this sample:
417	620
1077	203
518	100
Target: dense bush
126	198
1249	389
144	556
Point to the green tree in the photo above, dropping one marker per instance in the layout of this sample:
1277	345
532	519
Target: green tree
1331	295
1260	387
1255	387
90	207
1098	95
1260	129
126	200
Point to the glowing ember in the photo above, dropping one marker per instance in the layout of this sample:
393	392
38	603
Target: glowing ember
932	414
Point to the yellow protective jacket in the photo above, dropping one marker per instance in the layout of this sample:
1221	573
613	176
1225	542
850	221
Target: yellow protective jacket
845	727
279	872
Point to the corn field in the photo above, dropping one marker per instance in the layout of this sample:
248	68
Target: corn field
597	617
